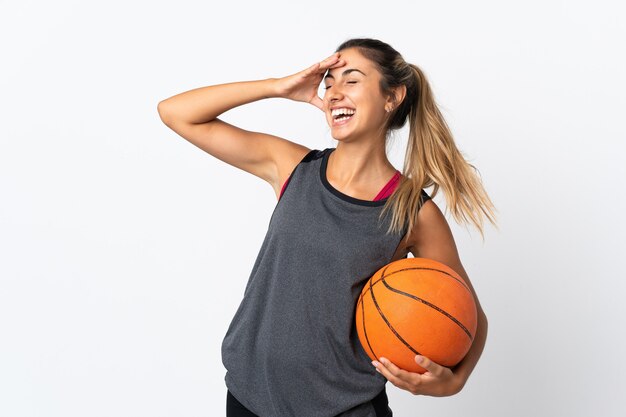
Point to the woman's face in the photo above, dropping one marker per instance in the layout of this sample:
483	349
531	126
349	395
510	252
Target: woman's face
355	86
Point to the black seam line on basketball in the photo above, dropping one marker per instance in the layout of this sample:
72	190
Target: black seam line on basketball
369	345
429	269
434	269
431	305
385	318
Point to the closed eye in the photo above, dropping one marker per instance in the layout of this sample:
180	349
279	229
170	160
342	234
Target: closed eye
349	82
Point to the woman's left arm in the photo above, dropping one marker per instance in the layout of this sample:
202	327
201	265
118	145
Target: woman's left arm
432	238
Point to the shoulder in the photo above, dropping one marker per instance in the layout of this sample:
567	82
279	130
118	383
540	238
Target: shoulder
303	157
431	236
433	239
429	223
314	154
287	165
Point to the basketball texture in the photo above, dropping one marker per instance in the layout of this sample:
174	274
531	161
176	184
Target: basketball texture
416	306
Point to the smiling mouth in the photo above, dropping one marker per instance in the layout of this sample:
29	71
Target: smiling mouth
343	117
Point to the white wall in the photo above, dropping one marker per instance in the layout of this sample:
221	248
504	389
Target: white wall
125	250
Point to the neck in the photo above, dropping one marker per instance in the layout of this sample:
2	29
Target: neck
355	164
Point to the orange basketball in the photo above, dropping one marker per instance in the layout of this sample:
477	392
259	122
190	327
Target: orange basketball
416	306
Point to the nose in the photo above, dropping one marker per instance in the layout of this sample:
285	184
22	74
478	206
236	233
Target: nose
335	95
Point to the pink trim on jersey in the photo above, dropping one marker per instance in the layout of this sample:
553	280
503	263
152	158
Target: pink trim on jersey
388	189
284	184
384	193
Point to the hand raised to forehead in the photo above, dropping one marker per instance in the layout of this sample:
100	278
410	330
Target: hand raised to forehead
304	85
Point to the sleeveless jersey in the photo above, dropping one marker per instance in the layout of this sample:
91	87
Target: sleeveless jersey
292	349
386	191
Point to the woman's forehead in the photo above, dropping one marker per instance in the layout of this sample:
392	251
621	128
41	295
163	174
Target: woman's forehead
355	63
353	57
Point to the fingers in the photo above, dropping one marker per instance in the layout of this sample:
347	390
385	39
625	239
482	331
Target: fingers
432	367
437	381
333	57
318	68
397	376
330	61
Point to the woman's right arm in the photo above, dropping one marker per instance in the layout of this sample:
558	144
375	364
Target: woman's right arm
204	104
194	116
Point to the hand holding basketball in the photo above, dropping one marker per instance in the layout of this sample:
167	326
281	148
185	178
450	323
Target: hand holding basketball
414	310
416	306
437	381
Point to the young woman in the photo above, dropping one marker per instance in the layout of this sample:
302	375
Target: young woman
342	213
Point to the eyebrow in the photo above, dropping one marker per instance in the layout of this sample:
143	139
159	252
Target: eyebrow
346	72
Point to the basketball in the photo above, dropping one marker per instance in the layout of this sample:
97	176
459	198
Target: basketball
416	306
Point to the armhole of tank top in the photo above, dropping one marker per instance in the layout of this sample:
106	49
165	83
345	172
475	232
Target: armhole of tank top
423	198
286	183
282	190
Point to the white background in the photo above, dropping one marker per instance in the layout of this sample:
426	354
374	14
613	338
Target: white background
125	250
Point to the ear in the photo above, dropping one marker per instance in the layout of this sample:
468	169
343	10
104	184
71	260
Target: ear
397	97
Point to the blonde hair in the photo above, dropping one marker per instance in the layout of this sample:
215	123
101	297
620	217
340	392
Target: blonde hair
432	157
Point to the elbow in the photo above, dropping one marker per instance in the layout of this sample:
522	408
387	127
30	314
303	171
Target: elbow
484	325
163	114
482	317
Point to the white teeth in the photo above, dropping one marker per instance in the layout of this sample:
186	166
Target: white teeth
343	110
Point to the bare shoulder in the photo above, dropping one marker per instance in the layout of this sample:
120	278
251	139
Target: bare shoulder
285	160
269	157
433	239
431	236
